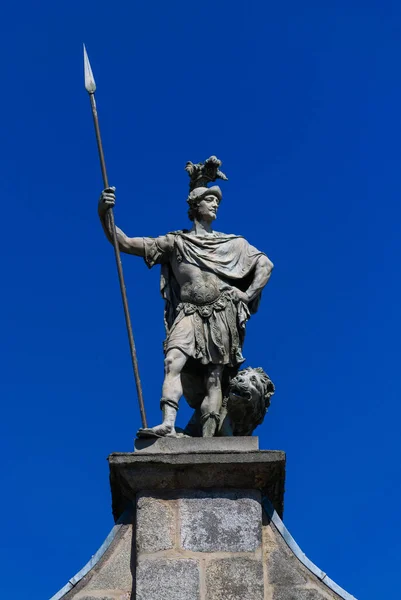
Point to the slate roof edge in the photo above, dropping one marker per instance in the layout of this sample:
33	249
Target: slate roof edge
123	520
301	556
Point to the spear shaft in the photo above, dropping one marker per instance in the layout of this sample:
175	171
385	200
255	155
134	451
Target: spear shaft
90	88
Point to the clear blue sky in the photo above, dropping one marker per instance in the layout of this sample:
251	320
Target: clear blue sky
302	103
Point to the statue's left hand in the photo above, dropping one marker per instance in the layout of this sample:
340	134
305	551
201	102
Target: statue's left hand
242	296
239	296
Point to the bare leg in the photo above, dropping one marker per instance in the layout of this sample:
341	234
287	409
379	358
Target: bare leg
211	406
173	365
172	392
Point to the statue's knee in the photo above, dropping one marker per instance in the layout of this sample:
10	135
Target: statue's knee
168	362
172	364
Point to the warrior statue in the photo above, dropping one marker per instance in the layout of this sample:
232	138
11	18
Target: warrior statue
211	283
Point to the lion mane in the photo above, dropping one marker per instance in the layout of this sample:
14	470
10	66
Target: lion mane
248	399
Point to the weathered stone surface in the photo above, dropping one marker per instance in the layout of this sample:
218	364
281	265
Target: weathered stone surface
115	573
168	579
234	579
105	596
155	524
284	569
221	521
135	472
293	593
213	444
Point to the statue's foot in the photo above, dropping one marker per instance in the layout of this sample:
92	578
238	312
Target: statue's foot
163	430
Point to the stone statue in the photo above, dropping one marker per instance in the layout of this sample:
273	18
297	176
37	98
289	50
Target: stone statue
211	283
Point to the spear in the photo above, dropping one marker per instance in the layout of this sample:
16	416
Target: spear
90	87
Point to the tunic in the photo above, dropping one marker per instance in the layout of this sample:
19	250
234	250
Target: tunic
212	332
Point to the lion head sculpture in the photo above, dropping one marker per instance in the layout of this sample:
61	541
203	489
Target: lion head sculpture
248	399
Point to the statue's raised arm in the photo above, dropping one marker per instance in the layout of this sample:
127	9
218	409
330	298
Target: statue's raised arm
128	245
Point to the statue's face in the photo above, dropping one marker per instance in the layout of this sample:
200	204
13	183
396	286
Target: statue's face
207	208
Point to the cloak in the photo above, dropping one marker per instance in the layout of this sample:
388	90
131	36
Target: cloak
230	257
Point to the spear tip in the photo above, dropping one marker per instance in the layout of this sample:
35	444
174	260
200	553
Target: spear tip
90	84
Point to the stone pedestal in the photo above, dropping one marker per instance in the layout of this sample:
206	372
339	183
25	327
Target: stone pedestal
199	520
197	464
194	545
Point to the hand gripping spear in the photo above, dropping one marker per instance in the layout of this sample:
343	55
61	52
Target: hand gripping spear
90	87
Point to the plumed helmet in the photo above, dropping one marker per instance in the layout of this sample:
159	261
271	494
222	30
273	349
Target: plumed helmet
200	192
200	175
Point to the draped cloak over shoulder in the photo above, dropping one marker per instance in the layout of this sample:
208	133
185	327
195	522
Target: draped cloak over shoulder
230	257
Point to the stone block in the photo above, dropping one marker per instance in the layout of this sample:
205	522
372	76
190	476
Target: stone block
168	579
292	593
284	569
215	444
115	573
154	524
236	578
105	596
225	521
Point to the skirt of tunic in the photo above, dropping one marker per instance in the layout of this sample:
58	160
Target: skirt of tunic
211	333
